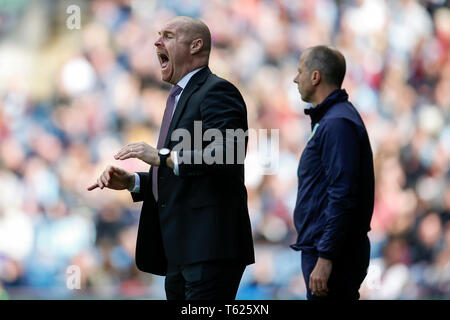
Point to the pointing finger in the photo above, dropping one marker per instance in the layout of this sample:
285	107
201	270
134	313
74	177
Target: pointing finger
92	187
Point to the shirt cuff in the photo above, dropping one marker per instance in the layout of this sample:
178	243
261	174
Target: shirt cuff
325	255
176	169
137	184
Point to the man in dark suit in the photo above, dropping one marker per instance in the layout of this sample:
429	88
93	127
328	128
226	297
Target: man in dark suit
194	226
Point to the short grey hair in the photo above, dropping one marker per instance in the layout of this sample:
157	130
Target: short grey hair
329	62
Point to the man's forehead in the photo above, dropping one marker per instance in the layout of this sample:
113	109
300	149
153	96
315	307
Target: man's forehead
303	57
172	26
168	28
304	54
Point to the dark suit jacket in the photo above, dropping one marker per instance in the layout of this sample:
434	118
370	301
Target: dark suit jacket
202	214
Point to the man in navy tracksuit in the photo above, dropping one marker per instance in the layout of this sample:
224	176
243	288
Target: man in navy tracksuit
336	182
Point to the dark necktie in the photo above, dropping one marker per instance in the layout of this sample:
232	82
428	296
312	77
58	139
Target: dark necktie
170	105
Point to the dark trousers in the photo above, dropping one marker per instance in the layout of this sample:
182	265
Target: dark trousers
347	273
211	280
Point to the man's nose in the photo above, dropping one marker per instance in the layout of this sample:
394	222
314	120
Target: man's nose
158	42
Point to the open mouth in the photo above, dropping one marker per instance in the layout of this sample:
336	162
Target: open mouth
163	60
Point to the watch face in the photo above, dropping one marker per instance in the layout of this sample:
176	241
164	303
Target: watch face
164	151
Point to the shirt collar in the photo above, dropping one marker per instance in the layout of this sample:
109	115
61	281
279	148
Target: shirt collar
184	81
316	113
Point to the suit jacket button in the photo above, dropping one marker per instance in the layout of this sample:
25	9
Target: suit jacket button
163	205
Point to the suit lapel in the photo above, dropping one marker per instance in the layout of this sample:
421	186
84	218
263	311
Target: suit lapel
196	80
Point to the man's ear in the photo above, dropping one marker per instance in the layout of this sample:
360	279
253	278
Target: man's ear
196	46
315	77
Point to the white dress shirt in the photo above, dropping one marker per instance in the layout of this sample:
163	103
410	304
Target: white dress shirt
182	83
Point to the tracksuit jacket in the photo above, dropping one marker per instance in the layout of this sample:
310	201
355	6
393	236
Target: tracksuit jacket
335	180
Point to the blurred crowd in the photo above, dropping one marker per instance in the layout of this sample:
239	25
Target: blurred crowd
69	99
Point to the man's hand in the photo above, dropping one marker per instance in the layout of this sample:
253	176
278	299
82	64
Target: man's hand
319	277
139	150
114	178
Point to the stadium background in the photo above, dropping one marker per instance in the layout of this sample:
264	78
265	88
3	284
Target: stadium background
70	98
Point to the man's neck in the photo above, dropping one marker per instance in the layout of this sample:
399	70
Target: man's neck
321	94
191	68
185	79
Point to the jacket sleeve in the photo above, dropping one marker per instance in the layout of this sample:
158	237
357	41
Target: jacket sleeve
224	122
144	179
340	156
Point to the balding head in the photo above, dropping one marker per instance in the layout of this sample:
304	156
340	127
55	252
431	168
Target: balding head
329	62
194	30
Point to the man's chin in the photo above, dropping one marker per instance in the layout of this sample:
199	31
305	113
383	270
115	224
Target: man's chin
166	76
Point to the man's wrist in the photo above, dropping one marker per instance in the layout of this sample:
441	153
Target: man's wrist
325	261
163	155
170	161
325	255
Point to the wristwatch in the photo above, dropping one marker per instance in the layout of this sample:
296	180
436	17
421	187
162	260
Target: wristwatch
163	153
